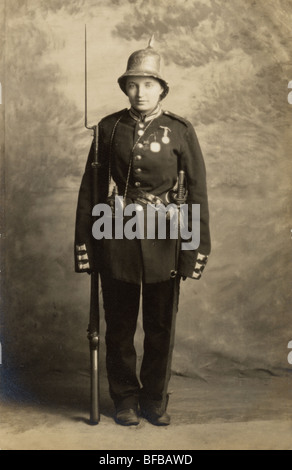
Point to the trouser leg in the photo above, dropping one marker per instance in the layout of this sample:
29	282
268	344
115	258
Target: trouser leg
121	304
157	319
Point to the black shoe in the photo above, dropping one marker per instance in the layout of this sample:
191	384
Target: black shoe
127	417
155	416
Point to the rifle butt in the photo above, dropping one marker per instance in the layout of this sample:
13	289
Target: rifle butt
93	337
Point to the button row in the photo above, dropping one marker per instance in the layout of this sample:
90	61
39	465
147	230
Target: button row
140	146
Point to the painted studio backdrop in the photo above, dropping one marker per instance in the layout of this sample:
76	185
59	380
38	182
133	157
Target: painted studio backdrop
228	65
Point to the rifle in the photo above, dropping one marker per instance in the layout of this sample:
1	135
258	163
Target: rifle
180	199
93	327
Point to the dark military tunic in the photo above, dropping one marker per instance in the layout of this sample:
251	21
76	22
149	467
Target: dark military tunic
155	149
142	157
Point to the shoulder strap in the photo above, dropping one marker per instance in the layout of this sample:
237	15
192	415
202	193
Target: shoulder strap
178	118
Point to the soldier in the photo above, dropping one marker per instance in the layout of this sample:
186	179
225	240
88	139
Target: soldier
141	150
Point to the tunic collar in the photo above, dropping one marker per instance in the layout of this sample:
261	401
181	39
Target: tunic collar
148	117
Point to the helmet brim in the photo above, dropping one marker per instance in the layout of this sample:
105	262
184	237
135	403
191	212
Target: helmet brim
122	80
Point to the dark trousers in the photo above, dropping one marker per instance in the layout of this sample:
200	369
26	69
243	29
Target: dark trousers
121	304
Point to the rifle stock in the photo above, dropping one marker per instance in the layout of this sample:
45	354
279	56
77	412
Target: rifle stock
93	327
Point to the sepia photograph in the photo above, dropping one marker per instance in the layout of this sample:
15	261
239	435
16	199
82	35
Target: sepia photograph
145	227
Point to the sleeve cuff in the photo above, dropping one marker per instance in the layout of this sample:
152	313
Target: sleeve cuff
199	266
82	260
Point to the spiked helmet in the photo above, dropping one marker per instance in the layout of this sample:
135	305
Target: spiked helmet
144	63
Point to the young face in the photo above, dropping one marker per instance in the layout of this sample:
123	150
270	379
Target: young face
144	93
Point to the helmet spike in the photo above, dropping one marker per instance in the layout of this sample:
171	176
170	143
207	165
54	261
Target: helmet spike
151	41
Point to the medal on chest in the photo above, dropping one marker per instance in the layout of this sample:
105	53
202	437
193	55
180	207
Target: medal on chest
165	138
155	146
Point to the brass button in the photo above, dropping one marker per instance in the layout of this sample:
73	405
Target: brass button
141	125
137	184
138	157
140	132
138	170
140	146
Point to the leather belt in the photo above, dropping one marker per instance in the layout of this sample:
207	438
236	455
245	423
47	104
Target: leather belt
140	196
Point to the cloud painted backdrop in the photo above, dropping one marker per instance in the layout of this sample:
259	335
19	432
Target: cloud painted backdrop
228	65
